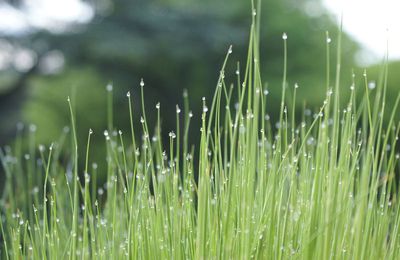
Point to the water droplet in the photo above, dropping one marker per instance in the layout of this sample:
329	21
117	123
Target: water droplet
254	13
128	94
158	105
328	40
32	128
284	36
172	134
230	49
141	82
109	87
66	129
178	110
90	131
372	85
296	86
190	114
237	72
266	92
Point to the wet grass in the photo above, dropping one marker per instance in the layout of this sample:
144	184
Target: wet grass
317	187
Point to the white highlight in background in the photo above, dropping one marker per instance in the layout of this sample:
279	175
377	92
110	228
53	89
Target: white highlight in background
372	23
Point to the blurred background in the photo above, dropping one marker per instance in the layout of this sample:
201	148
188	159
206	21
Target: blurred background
53	49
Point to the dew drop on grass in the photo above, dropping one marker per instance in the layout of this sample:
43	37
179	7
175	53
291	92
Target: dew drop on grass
141	82
328	40
32	128
296	86
230	49
178	110
242	129
237	72
372	85
109	87
172	134
284	36
128	94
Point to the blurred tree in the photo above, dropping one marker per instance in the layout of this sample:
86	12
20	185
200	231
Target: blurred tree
172	44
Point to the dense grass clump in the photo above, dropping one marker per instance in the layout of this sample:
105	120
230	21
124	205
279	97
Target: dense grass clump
321	186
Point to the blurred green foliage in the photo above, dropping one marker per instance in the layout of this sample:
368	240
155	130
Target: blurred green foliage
175	45
376	75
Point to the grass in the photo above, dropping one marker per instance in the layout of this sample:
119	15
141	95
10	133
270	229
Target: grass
318	187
